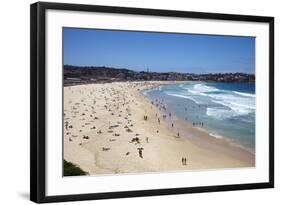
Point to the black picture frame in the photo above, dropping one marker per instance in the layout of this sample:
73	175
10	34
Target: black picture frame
38	101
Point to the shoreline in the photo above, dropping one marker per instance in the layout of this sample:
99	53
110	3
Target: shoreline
203	136
205	130
120	105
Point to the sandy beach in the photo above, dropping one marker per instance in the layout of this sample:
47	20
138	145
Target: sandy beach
112	129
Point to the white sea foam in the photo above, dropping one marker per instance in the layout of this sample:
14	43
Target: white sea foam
232	105
145	92
240	105
245	94
224	103
215	136
233	109
201	89
220	113
184	96
204	88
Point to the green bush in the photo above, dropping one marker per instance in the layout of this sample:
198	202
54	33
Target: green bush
70	169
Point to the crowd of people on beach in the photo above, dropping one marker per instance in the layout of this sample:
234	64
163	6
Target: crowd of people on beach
115	101
160	104
117	104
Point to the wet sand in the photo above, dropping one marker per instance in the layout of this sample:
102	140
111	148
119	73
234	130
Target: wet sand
113	129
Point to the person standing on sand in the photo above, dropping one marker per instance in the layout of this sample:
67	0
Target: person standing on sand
140	152
185	161
146	139
182	161
66	125
159	120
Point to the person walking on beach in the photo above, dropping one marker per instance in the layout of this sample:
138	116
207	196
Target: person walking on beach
182	161
146	139
172	124
185	161
159	120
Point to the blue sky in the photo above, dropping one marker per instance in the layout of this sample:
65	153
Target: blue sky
160	52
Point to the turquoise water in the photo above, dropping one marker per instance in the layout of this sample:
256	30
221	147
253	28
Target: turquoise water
225	109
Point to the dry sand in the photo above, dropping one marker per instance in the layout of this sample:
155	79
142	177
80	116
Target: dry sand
101	122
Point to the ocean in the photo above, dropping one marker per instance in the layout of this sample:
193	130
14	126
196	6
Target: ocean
223	109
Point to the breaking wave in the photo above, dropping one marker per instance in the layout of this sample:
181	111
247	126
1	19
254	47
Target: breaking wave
222	103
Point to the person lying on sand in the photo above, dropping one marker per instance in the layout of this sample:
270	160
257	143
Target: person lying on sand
135	139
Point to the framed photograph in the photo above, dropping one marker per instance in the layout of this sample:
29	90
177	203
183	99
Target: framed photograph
129	102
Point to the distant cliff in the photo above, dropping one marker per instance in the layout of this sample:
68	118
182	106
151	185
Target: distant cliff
82	75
